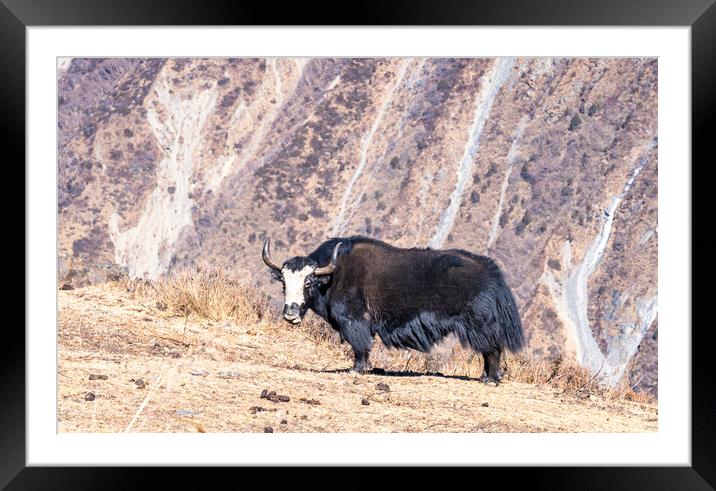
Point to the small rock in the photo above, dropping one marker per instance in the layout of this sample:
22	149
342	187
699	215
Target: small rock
67	286
89	396
199	373
256	409
273	397
485	404
284	421
140	383
304	417
382	387
268	429
312	402
229	374
94	376
185	412
161	306
365	402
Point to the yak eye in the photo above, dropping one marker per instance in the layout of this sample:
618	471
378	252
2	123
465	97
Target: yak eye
307	283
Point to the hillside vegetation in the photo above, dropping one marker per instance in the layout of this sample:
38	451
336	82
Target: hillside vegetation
200	351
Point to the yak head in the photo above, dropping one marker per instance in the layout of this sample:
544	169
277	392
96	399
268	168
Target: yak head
301	277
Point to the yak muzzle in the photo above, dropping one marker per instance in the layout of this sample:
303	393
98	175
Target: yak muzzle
292	313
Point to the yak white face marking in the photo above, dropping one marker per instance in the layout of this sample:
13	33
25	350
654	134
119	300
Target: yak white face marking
293	282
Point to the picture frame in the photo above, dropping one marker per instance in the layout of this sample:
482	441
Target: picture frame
16	16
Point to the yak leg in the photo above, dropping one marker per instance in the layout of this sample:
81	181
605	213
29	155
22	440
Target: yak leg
360	337
486	364
492	372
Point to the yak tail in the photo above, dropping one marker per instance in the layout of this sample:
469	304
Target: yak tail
508	318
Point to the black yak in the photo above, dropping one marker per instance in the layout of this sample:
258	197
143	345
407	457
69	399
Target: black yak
411	298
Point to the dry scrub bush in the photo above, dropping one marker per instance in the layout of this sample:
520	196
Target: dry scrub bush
449	358
569	376
209	292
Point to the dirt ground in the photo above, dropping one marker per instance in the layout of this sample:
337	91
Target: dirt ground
126	365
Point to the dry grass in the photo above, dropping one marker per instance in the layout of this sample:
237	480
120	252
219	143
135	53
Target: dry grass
209	292
214	293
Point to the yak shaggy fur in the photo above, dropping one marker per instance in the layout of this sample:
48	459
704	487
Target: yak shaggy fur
412	298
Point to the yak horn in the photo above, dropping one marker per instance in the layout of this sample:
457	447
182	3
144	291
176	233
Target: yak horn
266	255
332	265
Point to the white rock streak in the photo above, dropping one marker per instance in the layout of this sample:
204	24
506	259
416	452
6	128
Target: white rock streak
301	63
397	134
510	161
147	248
339	222
489	88
256	119
571	298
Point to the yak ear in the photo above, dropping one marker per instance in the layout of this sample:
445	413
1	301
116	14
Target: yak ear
276	275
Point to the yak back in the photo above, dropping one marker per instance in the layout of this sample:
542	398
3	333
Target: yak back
395	283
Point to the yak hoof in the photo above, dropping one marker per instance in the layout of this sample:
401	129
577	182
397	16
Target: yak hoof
486	379
362	369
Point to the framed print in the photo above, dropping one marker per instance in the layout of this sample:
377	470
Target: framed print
428	236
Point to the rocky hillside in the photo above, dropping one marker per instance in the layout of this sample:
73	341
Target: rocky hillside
547	165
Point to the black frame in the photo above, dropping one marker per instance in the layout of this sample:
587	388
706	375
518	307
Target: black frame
16	15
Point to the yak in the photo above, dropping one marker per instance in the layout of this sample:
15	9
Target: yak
410	298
